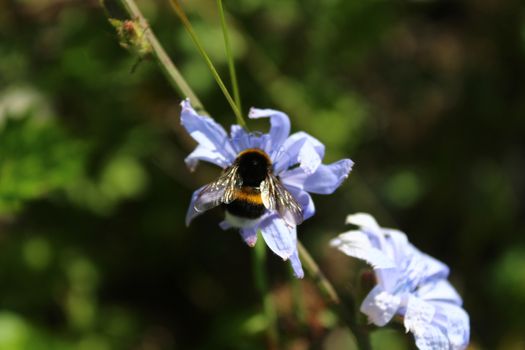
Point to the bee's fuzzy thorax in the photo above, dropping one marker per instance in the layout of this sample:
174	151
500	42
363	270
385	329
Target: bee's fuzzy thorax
253	166
257	151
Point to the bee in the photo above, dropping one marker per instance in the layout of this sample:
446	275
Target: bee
247	189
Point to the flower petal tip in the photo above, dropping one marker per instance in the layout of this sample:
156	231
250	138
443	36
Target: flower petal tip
255	113
186	104
349	165
225	225
335	242
361	219
299	275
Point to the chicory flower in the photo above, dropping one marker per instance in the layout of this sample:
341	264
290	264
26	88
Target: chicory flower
277	203
409	283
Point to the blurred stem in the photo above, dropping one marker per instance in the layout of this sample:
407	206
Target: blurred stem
317	275
360	333
298	300
170	70
185	21
229	54
261	283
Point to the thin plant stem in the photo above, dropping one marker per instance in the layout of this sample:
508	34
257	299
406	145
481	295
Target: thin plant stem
186	22
360	333
298	300
166	64
229	54
261	282
317	275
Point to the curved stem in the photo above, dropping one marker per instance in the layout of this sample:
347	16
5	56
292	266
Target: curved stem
360	333
229	54
185	21
317	275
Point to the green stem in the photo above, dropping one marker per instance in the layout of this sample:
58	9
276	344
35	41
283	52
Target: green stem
229	54
317	275
185	21
170	70
298	300
360	333
261	282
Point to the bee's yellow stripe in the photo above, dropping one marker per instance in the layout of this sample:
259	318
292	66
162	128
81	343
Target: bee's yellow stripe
249	196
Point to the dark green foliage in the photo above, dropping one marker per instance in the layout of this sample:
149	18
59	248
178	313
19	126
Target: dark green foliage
36	158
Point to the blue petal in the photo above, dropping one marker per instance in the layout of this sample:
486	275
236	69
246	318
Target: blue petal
394	244
296	265
225	225
419	268
430	337
423	267
380	306
309	160
388	279
439	291
293	178
371	228
279	130
192	213
434	269
208	134
356	244
328	178
413	270
249	235
207	155
241	139
418	319
455	323
299	147
296	140
279	236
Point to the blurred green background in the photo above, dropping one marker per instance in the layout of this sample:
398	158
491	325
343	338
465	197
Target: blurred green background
427	97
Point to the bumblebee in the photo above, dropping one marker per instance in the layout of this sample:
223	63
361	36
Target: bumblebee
247	189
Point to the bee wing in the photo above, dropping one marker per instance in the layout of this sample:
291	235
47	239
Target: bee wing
276	197
219	191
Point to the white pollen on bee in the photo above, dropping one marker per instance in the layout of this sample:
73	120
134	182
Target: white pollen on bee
239	222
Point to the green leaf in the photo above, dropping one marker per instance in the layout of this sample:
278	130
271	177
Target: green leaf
36	157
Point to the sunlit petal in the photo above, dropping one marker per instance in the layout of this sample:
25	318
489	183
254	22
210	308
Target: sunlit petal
279	236
207	133
328	178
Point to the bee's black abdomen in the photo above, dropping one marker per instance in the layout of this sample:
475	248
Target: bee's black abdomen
244	209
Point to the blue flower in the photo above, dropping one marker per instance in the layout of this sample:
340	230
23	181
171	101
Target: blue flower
294	160
409	283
